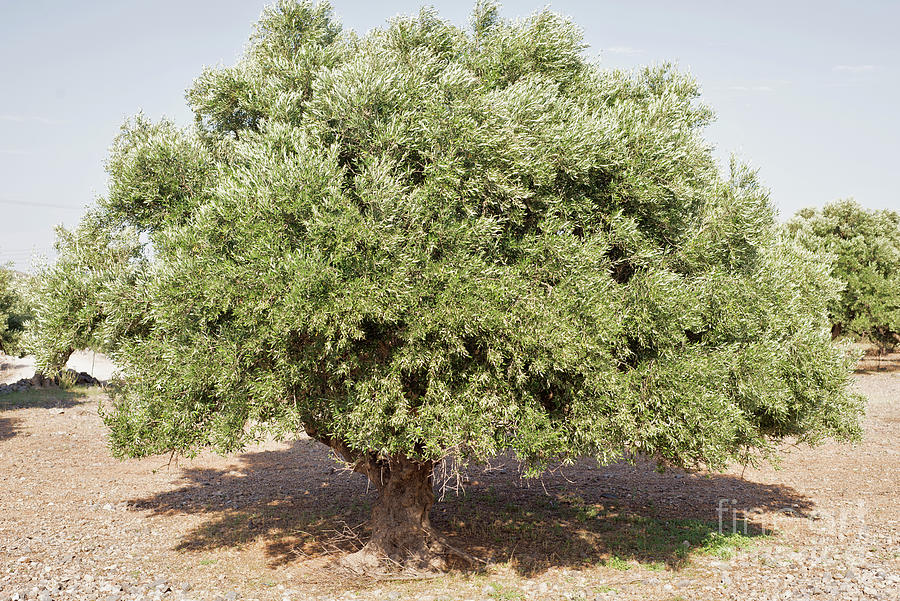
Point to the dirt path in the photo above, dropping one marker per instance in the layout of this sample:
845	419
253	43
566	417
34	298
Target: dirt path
265	524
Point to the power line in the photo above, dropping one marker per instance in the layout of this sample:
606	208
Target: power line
23	252
44	205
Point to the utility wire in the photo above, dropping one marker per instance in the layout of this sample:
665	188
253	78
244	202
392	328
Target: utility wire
45	205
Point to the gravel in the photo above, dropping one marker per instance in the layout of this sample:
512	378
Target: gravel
79	525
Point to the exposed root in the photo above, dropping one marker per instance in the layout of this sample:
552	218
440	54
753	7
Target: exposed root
431	560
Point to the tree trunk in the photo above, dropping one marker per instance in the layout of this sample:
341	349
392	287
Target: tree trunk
402	536
41	379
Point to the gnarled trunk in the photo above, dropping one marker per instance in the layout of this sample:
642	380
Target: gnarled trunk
402	535
41	379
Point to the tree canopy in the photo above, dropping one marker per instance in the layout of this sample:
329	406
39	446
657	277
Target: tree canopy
431	241
865	248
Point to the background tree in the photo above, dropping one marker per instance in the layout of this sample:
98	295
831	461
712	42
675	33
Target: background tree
865	248
431	242
15	311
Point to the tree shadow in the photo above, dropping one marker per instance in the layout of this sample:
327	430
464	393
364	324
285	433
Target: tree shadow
43	398
300	504
878	363
9	427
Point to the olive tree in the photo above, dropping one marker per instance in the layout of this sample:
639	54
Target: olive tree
15	311
432	242
865	248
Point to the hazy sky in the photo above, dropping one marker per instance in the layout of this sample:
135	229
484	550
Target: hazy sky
808	92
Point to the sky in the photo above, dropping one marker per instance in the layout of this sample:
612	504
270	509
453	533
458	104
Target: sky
806	92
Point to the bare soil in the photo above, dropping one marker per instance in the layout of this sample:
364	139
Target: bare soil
270	522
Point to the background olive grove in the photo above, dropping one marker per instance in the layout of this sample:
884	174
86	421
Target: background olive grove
864	246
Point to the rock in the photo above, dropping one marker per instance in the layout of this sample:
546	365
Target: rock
683	583
45	596
232	596
161	585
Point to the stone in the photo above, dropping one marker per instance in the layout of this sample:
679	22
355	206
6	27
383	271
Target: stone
161	585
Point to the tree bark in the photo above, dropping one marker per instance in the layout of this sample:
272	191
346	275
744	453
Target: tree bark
402	535
400	523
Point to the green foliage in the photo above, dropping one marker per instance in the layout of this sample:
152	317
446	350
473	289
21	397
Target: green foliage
617	563
15	310
428	241
90	297
160	175
865	248
726	545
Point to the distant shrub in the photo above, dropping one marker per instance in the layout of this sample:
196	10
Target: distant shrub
865	248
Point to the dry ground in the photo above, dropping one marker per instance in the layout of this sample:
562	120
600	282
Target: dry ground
267	523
